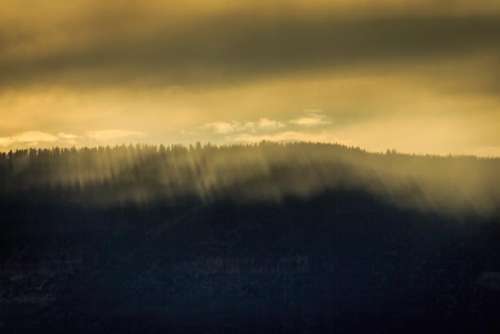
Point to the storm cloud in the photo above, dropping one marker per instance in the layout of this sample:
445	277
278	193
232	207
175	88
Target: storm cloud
120	46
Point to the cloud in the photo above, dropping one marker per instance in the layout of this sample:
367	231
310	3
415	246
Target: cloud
5	141
28	137
266	129
34	136
62	139
290	136
38	139
114	134
315	118
68	136
224	128
269	124
224	45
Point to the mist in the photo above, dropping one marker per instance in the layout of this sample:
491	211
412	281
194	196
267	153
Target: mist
264	172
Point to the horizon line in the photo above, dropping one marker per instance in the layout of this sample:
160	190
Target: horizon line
203	145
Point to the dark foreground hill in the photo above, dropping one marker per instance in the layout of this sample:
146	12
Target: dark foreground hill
272	238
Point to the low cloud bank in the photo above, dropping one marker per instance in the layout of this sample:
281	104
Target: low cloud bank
39	139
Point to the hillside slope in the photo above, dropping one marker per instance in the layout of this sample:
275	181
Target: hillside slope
283	238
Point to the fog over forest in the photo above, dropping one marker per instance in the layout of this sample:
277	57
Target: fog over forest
142	174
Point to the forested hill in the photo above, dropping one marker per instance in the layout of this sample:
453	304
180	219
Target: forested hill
141	174
279	238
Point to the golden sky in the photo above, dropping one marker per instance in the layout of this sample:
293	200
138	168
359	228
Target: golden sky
418	76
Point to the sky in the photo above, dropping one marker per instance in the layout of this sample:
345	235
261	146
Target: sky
415	76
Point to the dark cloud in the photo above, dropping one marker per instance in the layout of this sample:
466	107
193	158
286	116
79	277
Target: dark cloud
237	47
